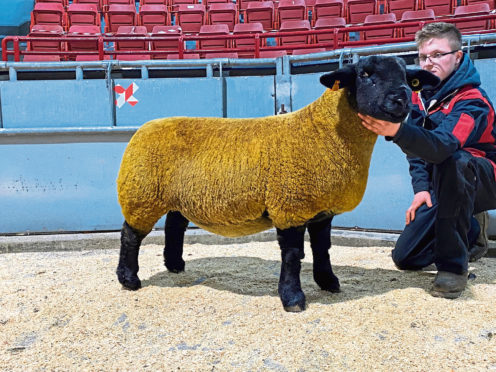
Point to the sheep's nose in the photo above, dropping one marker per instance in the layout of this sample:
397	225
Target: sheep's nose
399	99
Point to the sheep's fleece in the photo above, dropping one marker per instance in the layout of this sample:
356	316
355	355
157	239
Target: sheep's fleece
225	175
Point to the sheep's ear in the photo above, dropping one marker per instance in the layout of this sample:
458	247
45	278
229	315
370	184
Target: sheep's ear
421	79
343	78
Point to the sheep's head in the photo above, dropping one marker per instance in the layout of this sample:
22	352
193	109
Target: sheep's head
380	86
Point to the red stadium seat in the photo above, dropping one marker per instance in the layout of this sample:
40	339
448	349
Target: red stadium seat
90	57
132	57
175	3
357	10
415	15
297	52
328	9
223	13
289	10
379	19
272	53
473	10
440	7
172	34
213	30
243	4
299	25
261	11
130	31
61	2
247	29
98	3
119	15
221	55
83	14
398	7
107	3
153	15
40	58
208	3
154	2
82	31
491	3
48	14
46	31
191	17
330	24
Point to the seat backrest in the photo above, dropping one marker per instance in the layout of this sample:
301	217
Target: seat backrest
219	29
120	15
45	31
415	15
221	55
291	9
297	52
225	13
97	3
48	13
129	31
153	15
83	14
379	19
357	10
329	24
472	22
190	17
328	8
171	34
440	7
209	3
295	25
272	53
472	9
82	31
398	7
261	11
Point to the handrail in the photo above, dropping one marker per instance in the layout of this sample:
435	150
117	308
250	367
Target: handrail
258	38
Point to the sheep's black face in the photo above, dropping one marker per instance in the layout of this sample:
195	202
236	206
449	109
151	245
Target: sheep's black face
380	86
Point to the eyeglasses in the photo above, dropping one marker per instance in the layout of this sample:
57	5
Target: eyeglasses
434	57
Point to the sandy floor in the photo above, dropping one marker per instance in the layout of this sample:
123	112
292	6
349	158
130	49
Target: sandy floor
66	311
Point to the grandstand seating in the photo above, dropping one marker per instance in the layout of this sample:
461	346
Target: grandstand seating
329	24
172	34
119	15
175	3
295	25
328	9
440	7
289	10
124	31
223	13
46	31
247	29
153	15
82	31
398	7
213	30
185	56
222	55
41	58
491	3
261	11
208	3
97	3
61	2
415	15
82	14
379	19
272	53
154	2
190	17
308	51
357	10
48	14
474	25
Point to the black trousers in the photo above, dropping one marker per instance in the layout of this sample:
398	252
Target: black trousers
462	186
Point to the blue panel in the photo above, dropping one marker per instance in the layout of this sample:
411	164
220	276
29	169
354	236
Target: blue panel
250	96
55	103
15	12
59	187
305	89
488	78
170	97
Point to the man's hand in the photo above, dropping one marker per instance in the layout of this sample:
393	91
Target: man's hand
380	127
419	199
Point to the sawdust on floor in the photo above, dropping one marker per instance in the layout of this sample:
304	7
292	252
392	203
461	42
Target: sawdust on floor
66	311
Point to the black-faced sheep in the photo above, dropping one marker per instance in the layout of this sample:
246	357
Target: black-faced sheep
237	177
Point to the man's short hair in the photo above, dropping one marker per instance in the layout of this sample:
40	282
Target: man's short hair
440	30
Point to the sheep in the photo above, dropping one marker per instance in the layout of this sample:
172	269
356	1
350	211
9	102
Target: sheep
237	177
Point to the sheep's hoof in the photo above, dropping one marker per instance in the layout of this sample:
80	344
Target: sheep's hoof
327	282
128	279
174	266
294	303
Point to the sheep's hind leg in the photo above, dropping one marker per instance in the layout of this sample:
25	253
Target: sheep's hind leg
320	241
127	270
175	227
291	243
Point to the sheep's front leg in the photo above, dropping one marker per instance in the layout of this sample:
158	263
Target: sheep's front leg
127	270
291	243
175	227
320	241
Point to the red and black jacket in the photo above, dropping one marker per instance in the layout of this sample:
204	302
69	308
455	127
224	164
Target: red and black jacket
456	115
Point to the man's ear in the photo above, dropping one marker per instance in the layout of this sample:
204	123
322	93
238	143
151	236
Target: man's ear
343	78
420	79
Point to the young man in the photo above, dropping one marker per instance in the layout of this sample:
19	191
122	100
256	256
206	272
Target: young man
449	139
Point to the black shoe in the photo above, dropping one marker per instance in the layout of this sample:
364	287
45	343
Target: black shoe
481	246
448	285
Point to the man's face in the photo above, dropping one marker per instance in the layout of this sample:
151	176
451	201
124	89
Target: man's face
436	56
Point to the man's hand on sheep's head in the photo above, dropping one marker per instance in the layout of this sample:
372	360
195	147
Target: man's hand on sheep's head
380	127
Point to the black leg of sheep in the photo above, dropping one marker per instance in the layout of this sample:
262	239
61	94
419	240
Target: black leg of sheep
175	227
291	242
320	241
127	270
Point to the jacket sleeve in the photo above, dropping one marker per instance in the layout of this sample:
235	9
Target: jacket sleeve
420	174
458	128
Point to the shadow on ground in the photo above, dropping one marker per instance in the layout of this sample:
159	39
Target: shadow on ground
254	276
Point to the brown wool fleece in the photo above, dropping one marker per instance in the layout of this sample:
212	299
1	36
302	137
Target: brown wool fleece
222	174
